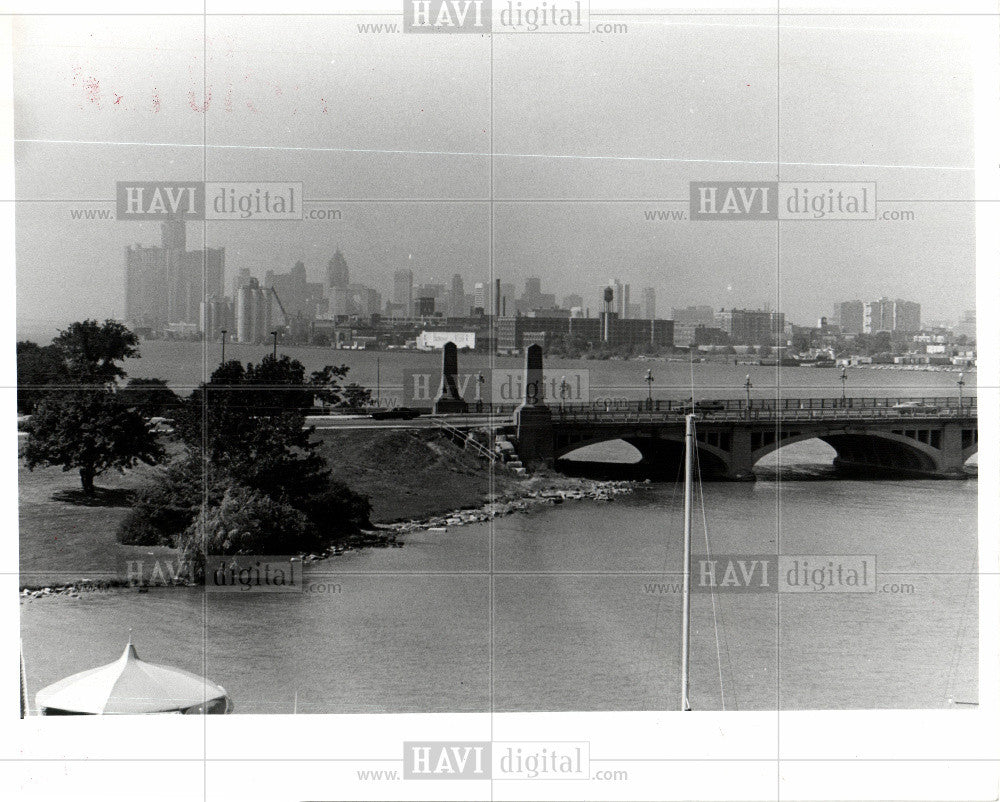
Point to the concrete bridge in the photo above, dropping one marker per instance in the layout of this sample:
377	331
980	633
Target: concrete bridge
925	437
933	438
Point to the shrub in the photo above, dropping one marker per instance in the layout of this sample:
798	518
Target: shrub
338	512
245	521
164	510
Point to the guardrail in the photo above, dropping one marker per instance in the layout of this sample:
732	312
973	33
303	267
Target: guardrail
740	405
467	442
680	406
763	415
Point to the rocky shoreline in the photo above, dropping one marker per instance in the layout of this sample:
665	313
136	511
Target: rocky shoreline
532	495
535	492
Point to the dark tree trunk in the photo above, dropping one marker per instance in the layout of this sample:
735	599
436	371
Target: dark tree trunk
87	480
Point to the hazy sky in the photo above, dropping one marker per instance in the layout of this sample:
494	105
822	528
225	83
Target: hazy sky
582	126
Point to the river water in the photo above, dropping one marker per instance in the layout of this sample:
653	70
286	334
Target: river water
577	610
574	607
181	365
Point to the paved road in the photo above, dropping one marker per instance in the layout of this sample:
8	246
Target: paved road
423	422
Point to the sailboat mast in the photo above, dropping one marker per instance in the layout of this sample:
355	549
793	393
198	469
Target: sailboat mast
686	597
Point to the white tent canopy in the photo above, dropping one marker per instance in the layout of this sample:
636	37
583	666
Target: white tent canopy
130	686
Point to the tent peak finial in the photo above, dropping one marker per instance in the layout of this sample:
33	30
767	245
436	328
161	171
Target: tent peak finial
130	652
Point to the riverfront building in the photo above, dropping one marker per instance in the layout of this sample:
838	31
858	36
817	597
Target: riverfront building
871	317
515	333
751	326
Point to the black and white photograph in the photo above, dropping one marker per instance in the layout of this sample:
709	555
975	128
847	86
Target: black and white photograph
502	400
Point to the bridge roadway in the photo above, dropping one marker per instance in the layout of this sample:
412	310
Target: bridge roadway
913	436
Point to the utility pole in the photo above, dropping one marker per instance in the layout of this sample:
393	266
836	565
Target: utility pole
223	346
274	352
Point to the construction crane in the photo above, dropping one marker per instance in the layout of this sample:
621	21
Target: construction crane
281	306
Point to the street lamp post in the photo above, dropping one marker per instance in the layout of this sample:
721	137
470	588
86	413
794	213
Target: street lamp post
649	385
274	352
563	386
961	385
748	385
480	381
843	385
223	332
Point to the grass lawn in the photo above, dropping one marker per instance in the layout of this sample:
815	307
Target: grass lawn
65	537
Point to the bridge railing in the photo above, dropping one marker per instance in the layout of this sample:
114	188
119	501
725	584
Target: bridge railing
943	405
582	414
740	405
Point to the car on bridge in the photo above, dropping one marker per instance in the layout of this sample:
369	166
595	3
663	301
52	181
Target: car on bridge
701	407
395	413
915	408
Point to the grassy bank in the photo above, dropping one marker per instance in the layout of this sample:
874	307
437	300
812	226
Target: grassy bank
407	474
410	473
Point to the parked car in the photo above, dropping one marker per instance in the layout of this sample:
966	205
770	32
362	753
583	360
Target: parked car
395	413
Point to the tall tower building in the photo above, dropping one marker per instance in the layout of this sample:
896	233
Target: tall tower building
173	234
532	293
402	290
167	285
457	300
649	303
850	316
337	274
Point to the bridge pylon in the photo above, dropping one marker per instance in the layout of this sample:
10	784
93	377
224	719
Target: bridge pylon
533	418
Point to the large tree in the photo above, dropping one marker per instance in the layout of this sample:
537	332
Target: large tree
248	446
85	353
91	351
89	430
249	422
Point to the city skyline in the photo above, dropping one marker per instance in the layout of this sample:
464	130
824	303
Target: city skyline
161	295
573	205
318	268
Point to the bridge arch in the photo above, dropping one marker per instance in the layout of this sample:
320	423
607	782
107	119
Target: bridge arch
911	449
870	449
658	451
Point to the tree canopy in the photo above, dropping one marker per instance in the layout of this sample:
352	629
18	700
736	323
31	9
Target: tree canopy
91	351
89	430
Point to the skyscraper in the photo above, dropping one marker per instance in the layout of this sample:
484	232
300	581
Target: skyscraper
532	293
457	299
402	290
337	274
886	315
649	303
299	297
167	285
851	316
